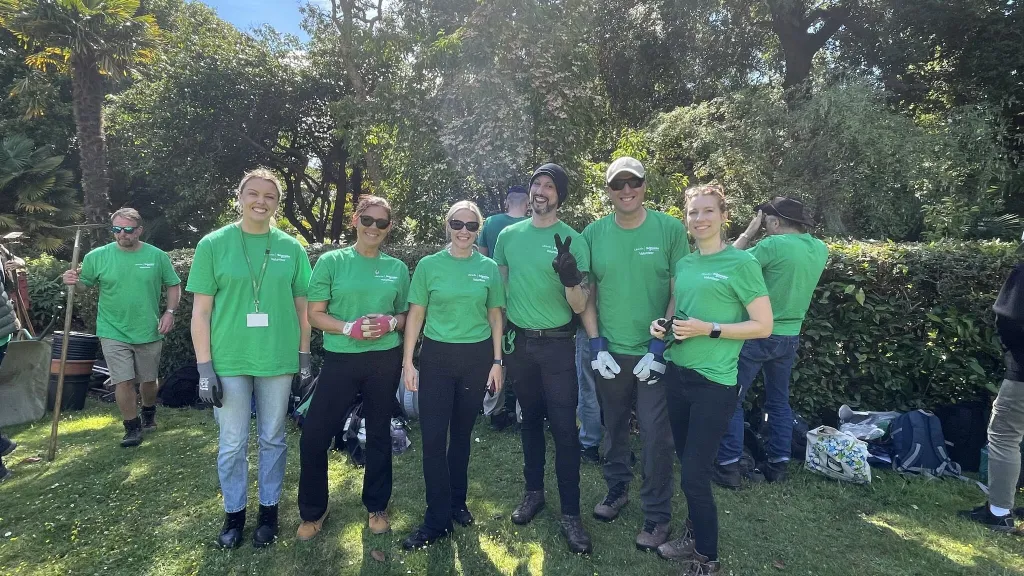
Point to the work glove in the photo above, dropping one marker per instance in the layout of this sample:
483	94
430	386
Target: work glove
210	389
565	263
305	365
603	362
651	367
368	328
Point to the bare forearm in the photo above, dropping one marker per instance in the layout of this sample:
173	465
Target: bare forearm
305	330
494	318
413	324
173	296
201	337
589	315
325	322
749	330
577	298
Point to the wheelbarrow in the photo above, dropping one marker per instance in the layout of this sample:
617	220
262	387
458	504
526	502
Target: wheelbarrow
24	379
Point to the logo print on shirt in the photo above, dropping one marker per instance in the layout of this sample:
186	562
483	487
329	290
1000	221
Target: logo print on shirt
145	265
385	277
715	276
280	257
479	277
646	250
549	248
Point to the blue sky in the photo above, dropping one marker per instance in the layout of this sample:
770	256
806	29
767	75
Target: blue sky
283	15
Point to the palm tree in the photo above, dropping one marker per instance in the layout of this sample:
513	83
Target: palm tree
36	194
88	39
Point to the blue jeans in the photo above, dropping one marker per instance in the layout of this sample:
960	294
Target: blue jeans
233	418
587	409
774	356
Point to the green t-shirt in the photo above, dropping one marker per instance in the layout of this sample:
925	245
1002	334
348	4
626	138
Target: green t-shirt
219	269
457	293
715	288
536	298
493	226
130	285
633	270
354	286
792	265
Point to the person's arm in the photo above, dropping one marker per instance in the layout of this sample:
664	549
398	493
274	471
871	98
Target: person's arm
577	296
589	315
166	322
413	324
671	310
400	321
202	306
759	326
496	377
317	316
305	331
748	236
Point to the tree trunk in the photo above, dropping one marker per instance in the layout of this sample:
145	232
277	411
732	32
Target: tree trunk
792	24
87	99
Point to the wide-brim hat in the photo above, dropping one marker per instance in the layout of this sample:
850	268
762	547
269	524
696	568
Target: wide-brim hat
788	208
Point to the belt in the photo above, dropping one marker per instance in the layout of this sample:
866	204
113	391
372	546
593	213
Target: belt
560	332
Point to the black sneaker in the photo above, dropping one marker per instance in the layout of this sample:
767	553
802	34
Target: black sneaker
4	472
575	534
590	454
7	445
422	538
776	471
132	433
532	503
148	417
727	475
462	516
983	515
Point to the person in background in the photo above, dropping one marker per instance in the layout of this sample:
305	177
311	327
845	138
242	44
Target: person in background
9	325
358	297
458	293
792	262
249	330
719	301
131	275
501	407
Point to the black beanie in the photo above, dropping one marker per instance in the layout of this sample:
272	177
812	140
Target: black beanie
556	173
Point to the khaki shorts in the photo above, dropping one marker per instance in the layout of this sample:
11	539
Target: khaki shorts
128	361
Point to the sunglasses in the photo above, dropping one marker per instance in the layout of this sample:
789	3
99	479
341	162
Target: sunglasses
125	229
381	223
634	183
459	225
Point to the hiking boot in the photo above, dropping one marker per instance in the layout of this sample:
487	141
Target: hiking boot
148	416
309	529
132	433
591	454
266	529
618	496
575	534
422	538
776	471
983	515
532	503
727	475
379	522
652	535
681	548
4	472
231	532
7	445
462	516
701	566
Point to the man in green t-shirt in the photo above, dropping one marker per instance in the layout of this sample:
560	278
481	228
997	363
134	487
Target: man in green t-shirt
502	406
792	262
131	275
633	253
544	263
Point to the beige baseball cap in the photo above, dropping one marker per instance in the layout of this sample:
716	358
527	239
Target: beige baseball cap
624	164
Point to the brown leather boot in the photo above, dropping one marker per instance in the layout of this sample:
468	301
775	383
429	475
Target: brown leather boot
701	566
617	498
681	548
575	534
652	535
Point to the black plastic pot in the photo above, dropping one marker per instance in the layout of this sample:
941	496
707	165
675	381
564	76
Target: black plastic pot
76	388
81	346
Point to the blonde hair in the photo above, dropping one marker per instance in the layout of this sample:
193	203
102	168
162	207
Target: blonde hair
128	213
711	189
462	205
263	174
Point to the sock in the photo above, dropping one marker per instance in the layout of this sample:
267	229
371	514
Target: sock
996	511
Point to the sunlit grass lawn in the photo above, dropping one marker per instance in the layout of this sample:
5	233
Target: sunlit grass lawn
101	509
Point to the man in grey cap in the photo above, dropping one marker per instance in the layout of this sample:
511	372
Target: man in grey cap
633	253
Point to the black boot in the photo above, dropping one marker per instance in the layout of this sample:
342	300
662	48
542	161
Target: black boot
132	433
4	472
266	529
727	475
7	445
148	415
231	533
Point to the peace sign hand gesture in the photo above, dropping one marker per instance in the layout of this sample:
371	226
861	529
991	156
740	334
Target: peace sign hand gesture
565	263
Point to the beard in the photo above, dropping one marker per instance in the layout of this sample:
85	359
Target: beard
543	208
127	242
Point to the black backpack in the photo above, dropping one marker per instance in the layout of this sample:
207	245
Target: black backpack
919	447
181	387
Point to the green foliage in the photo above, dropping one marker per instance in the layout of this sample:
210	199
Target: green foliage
36	194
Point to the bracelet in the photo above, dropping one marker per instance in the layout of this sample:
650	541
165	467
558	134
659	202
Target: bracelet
170	311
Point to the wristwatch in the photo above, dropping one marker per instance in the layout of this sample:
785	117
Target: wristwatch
716	330
498	362
170	311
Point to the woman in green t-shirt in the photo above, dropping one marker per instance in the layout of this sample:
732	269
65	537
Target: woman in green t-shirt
358	296
460	294
250	335
720	300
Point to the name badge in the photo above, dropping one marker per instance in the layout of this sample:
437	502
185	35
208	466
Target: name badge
257	320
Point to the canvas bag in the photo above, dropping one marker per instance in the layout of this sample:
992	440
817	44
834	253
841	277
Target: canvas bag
837	455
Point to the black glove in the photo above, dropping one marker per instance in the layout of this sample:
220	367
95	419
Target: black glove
210	389
565	264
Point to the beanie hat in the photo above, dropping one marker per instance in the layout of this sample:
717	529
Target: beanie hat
556	173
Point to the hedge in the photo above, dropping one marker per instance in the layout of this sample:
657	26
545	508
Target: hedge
891	326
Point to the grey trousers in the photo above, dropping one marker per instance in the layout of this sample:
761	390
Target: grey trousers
616	397
1005	431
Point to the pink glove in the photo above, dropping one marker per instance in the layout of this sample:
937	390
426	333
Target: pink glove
367	328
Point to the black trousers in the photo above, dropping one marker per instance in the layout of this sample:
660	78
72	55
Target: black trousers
453	380
342	378
698	411
544	371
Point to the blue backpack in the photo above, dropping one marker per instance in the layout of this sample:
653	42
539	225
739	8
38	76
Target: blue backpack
919	447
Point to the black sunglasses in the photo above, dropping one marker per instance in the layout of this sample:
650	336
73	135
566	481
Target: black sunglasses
125	229
459	224
634	183
381	223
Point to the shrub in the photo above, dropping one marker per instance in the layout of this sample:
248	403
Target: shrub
891	326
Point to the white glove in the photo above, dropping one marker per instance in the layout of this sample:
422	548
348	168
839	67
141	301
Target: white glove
651	367
605	365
